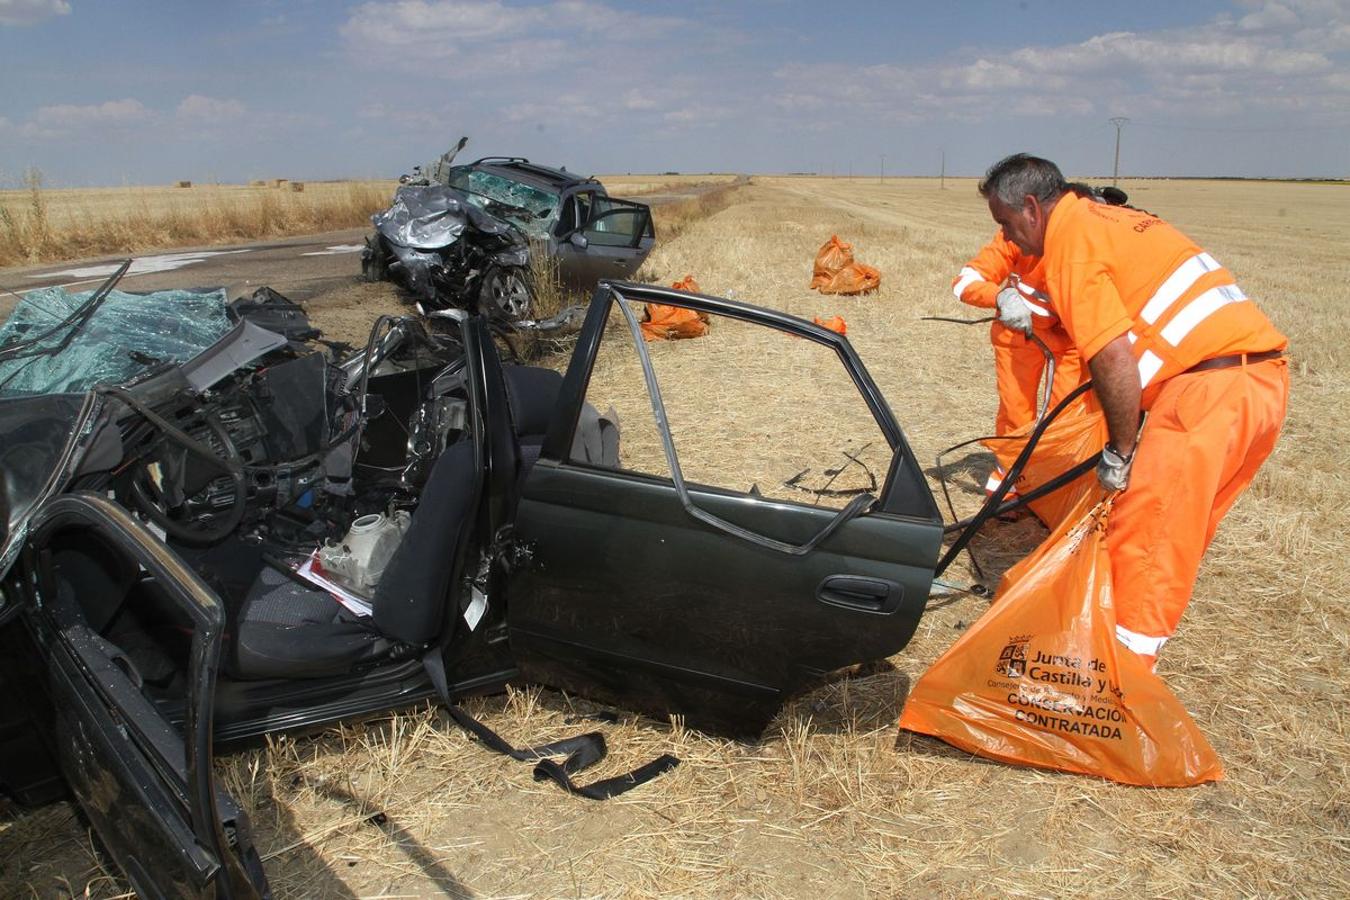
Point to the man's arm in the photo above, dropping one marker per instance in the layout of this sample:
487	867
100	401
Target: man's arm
1115	380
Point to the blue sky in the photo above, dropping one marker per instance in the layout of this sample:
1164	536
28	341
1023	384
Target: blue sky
148	91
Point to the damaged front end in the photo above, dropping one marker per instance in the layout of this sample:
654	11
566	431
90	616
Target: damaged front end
448	252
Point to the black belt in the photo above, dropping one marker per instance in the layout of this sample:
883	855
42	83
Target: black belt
1237	359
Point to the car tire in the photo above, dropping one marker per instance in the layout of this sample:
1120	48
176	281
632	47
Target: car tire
506	293
375	259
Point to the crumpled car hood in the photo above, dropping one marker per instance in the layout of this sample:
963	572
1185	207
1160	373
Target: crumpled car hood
429	217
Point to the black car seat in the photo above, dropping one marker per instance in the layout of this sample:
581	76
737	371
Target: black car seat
286	629
533	395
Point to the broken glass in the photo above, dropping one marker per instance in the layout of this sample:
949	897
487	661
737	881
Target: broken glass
533	209
125	335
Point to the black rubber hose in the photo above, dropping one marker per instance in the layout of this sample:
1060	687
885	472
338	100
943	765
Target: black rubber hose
995	499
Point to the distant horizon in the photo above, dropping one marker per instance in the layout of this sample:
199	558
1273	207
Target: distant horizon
857	176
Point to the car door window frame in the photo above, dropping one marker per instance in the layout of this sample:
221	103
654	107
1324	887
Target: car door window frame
624	207
904	491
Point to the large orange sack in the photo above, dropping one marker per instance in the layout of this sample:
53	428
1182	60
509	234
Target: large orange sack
1040	680
833	255
836	272
854	278
669	323
1076	434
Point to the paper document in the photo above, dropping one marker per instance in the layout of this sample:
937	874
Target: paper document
313	572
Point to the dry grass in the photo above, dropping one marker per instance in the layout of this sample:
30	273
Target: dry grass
641	185
832	802
39	224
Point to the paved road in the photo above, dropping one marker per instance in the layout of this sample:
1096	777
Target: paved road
299	267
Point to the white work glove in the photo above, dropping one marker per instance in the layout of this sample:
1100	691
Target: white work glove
1113	469
1013	310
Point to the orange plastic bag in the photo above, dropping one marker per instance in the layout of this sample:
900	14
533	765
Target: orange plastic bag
854	278
1076	434
835	271
669	323
834	323
1040	680
832	256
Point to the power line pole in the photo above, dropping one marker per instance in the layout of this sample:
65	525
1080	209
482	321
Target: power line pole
942	175
882	178
1117	121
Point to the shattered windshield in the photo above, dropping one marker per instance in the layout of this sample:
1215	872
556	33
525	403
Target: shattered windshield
125	335
533	209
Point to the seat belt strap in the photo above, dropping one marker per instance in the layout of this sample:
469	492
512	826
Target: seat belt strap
579	752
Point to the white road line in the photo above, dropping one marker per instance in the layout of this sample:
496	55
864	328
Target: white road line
141	265
334	251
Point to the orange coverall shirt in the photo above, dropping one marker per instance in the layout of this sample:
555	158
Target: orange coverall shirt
1112	271
1019	364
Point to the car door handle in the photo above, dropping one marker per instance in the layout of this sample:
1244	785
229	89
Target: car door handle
875	595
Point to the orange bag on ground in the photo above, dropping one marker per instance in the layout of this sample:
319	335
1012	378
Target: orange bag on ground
1078	433
832	256
1040	680
669	323
834	323
854	278
835	271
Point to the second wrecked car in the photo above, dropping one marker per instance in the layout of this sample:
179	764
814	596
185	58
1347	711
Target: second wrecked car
464	236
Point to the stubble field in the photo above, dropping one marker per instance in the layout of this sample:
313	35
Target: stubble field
832	801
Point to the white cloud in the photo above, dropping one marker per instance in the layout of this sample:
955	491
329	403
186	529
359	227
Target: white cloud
480	36
30	12
1278	55
210	109
67	117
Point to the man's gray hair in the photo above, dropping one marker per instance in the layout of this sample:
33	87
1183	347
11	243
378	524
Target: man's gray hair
1014	177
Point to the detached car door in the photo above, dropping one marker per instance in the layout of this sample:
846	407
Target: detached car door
145	782
762	523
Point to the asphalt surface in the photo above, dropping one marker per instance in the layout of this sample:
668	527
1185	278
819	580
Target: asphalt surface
301	267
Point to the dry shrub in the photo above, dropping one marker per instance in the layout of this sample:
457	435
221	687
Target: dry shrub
43	225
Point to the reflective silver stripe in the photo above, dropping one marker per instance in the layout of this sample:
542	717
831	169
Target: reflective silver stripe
1199	309
1149	364
1032	292
965	278
1139	643
1132	337
1182	277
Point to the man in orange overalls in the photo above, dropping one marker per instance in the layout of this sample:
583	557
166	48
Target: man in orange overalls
1023	310
1165	330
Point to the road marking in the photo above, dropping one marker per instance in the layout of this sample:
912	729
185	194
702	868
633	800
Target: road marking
141	265
334	251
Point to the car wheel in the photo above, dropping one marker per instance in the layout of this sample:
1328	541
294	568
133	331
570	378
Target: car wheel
506	293
374	259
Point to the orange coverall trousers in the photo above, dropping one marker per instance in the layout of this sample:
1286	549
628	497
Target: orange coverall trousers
1018	367
1206	435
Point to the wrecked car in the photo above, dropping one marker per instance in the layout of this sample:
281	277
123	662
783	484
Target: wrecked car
463	236
236	529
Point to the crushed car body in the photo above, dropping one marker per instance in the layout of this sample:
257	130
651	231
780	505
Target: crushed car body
464	236
165	527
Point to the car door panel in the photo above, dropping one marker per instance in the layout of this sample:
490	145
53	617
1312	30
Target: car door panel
619	235
147	787
631	598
